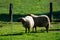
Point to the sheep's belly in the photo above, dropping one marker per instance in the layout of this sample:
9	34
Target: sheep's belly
41	22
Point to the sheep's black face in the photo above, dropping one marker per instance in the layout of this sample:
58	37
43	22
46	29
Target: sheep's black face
19	20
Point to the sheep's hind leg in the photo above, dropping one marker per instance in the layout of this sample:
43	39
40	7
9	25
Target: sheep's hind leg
25	30
35	29
47	27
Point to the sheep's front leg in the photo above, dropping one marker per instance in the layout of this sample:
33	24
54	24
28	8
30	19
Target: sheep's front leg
28	29
33	29
25	30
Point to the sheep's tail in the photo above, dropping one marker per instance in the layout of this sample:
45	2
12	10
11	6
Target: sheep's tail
50	25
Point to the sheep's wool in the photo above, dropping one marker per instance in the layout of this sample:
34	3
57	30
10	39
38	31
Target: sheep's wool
41	20
33	15
30	20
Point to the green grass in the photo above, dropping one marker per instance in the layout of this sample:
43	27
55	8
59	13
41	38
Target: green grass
18	32
23	7
28	6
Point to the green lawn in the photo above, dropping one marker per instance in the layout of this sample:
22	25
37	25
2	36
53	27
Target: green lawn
23	7
17	32
28	6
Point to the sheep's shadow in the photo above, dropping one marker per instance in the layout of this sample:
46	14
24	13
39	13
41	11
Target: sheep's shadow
38	31
43	30
21	33
54	30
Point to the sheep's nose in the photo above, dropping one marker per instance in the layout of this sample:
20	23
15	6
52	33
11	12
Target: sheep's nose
18	20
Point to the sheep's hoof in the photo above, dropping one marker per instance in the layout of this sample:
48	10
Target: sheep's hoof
1	26
47	31
25	31
28	32
35	31
32	31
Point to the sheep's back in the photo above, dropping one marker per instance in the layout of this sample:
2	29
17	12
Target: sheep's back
29	21
40	21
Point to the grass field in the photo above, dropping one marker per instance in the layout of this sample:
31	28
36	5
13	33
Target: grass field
17	32
28	6
23	7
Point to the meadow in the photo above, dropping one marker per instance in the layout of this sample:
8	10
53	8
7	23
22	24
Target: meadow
23	7
29	6
16	31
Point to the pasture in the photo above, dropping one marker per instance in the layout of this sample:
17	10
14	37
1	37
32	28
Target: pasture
29	6
16	31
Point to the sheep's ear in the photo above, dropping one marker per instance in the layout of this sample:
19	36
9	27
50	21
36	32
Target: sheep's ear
19	19
23	19
28	14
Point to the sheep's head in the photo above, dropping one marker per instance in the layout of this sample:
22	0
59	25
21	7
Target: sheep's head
19	19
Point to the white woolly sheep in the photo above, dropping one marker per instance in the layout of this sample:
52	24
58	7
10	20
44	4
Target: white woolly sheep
27	22
41	21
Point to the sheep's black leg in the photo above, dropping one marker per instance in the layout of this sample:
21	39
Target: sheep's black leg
47	27
35	29
25	30
28	29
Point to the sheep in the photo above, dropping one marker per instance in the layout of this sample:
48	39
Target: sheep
27	22
41	21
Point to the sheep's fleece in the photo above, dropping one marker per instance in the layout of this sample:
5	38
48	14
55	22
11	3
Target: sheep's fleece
28	21
41	20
